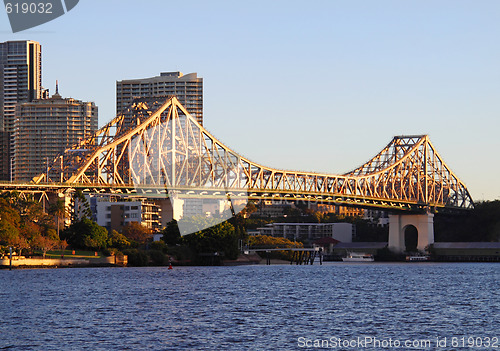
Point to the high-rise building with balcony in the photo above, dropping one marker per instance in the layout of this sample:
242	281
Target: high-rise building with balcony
20	81
45	128
187	88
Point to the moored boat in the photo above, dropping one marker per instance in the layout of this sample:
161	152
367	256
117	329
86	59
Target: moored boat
417	258
358	257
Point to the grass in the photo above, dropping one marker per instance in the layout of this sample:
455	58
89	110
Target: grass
69	254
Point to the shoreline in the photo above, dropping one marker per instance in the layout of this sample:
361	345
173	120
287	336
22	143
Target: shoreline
22	262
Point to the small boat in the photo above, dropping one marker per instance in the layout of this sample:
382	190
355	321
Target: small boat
358	257
417	258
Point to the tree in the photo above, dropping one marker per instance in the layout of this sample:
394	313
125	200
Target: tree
21	244
63	244
137	232
44	243
220	238
81	207
249	209
86	234
9	234
269	242
480	224
58	209
118	240
9	222
31	230
30	211
171	235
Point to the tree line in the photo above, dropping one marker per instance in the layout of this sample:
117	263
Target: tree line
27	226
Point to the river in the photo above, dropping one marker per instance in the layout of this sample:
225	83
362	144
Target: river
342	306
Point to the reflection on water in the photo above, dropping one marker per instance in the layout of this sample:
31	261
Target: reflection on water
245	308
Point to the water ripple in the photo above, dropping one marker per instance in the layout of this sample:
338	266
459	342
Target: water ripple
244	308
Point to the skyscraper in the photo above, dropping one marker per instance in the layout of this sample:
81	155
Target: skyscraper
21	81
46	127
187	88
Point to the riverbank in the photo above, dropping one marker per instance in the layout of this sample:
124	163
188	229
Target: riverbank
39	262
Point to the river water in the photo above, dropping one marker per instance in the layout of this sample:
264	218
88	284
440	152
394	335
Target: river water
342	306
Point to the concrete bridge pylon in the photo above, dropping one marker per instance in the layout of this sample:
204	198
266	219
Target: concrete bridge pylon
399	224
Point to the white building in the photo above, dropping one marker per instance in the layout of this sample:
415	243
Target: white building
377	217
114	213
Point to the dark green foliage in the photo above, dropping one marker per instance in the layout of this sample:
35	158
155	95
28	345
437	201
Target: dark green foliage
220	238
254	223
58	210
158	245
118	240
8	233
367	232
86	234
136	257
480	224
182	253
157	258
171	234
81	207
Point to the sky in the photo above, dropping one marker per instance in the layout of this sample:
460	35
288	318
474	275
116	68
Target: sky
314	85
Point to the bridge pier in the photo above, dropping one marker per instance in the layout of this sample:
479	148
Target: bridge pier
398	224
177	207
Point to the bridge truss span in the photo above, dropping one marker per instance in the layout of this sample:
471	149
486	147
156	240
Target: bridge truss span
163	147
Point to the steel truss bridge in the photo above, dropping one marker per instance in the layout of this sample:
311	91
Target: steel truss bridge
156	149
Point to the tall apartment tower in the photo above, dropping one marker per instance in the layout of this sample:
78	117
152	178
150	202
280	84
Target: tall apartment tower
21	81
187	88
44	128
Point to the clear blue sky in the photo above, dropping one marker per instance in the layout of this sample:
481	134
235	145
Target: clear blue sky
307	85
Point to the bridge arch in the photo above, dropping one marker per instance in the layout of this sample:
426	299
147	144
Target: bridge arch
410	231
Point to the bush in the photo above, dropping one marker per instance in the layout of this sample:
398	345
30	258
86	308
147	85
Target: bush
111	252
269	242
220	238
134	231
136	257
118	240
157	257
181	253
158	245
86	234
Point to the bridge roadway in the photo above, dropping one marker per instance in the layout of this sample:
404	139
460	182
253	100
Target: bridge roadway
48	190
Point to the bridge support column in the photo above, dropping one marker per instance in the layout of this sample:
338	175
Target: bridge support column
398	225
177	207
